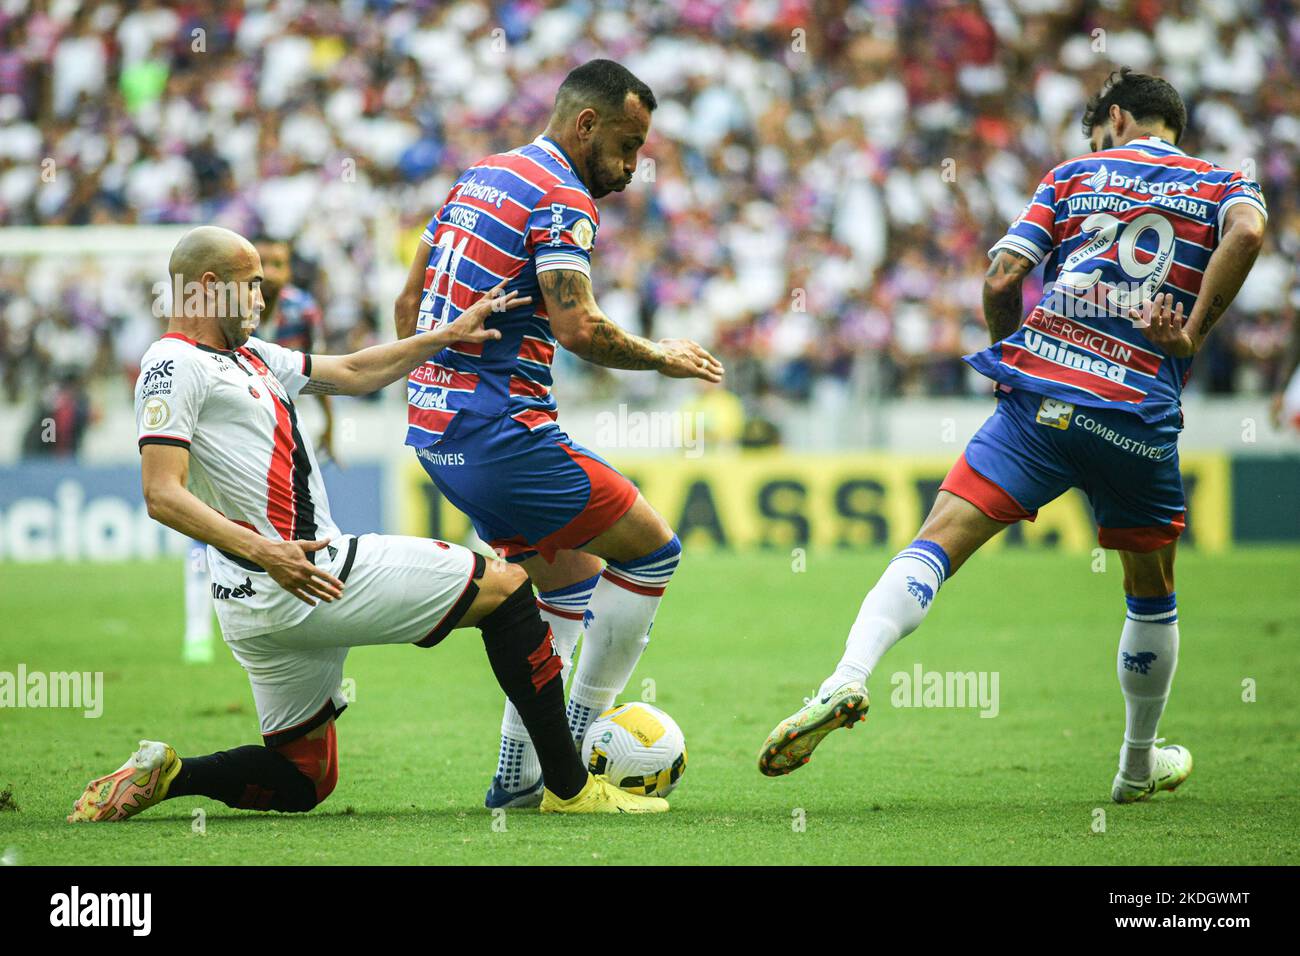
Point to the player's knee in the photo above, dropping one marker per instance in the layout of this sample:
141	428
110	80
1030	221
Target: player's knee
650	573
500	580
1148	574
1149	582
317	759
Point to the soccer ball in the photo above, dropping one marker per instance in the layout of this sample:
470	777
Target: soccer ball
639	747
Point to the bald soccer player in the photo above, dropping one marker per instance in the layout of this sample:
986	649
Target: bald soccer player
224	461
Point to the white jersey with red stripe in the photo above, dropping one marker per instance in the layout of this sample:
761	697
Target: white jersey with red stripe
1115	227
234	411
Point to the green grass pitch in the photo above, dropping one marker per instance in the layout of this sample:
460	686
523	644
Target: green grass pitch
739	641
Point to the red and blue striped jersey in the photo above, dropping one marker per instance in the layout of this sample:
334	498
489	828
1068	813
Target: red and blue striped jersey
1116	227
509	216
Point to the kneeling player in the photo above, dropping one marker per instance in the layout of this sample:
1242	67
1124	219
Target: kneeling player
1089	391
223	460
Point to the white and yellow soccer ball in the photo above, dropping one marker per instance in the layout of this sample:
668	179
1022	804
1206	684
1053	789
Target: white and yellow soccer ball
639	747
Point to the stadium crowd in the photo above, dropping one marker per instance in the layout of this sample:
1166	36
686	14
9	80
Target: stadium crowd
822	180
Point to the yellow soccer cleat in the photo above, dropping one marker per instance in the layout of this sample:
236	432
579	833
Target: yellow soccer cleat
601	796
790	744
137	785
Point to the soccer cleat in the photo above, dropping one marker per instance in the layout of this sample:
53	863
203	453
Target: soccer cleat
601	796
790	745
137	785
499	797
1173	765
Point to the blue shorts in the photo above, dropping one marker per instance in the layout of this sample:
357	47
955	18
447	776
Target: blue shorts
526	492
1033	449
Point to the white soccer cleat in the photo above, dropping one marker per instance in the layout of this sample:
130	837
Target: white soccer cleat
1172	765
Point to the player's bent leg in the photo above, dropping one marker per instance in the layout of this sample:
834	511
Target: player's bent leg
640	531
564	588
642	553
292	778
1148	657
567	569
522	654
954	530
894	608
316	755
960	528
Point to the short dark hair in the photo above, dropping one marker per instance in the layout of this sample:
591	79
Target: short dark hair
1146	96
602	84
265	239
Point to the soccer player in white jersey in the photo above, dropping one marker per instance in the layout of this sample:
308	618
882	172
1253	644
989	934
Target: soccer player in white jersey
223	460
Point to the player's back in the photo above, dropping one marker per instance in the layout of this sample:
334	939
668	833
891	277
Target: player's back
1116	227
509	216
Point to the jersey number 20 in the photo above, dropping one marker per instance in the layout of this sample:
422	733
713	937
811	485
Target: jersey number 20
1144	278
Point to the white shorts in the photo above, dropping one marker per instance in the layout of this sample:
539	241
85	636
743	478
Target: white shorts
398	590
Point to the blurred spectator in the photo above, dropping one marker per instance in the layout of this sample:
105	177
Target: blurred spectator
62	416
822	180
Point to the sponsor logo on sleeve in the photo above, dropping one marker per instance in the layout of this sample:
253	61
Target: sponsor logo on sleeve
157	379
557	224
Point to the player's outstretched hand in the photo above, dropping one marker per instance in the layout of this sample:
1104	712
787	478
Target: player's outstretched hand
469	326
287	563
1162	324
686	359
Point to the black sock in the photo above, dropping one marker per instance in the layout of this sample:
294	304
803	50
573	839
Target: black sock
523	658
246	778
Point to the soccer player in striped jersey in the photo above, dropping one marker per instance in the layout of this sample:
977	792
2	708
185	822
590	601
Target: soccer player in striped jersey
223	460
1145	248
483	419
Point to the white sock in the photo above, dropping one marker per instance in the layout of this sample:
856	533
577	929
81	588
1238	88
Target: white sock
1148	657
198	597
563	610
893	609
617	630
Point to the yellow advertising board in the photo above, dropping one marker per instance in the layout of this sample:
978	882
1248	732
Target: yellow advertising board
782	500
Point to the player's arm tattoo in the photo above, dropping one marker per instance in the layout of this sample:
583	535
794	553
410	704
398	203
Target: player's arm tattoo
562	287
1229	264
601	342
320	386
1218	305
1003	303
